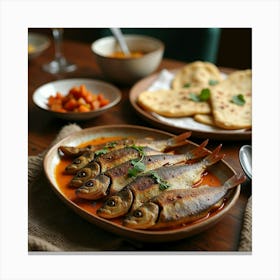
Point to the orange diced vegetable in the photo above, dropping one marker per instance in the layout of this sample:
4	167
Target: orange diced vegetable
83	108
78	99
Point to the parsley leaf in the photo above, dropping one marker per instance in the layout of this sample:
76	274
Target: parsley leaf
138	166
212	82
203	96
238	99
101	152
111	145
138	149
187	85
162	184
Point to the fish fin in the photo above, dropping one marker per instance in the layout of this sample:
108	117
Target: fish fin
199	151
235	180
178	140
214	156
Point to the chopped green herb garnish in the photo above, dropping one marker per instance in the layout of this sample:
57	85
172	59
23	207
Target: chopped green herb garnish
194	97
138	166
139	149
101	152
203	96
238	99
111	145
162	184
212	82
187	85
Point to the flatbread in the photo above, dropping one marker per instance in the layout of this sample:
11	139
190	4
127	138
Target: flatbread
198	73
173	103
205	119
227	114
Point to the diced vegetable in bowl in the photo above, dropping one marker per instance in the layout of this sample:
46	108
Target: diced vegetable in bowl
76	99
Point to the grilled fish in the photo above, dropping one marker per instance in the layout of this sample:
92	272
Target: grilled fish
152	183
176	207
113	180
90	153
109	160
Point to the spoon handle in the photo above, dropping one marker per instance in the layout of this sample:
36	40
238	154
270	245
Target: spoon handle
119	36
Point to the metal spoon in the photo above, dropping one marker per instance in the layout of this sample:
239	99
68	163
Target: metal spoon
120	38
245	158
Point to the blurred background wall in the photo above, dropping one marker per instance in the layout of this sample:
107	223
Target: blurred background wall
228	47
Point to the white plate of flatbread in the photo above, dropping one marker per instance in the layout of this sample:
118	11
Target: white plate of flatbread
226	114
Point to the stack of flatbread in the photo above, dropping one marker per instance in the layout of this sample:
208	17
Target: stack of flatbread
228	105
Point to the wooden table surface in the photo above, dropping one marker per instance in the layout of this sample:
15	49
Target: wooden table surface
42	129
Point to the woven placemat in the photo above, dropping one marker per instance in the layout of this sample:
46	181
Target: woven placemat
54	227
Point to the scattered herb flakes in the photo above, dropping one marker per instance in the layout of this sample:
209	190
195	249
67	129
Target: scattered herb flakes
162	184
111	145
187	85
212	82
138	166
101	152
138	149
238	99
203	96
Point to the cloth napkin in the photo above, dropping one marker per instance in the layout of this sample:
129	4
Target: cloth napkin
54	227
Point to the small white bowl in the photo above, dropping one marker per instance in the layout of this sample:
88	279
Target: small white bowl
128	70
38	43
41	95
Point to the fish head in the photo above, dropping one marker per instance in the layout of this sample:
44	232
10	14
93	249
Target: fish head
76	165
116	205
143	217
94	188
81	177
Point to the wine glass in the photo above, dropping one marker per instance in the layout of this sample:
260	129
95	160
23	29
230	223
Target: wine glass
59	64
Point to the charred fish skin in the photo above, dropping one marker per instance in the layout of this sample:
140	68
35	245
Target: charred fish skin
176	207
152	183
120	176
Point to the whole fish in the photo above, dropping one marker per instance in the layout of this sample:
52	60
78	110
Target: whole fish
152	183
159	145
113	180
103	162
176	207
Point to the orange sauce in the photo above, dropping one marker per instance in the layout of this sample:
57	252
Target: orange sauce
91	207
121	55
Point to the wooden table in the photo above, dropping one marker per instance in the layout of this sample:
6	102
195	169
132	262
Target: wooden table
42	129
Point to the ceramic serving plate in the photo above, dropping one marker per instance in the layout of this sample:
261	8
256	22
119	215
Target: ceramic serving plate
41	95
178	125
221	169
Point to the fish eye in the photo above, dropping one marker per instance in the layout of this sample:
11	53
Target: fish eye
138	213
111	202
89	184
82	174
77	161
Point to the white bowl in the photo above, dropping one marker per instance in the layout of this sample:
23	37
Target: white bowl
41	95
38	42
128	70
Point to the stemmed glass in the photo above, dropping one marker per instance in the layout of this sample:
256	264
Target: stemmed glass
59	64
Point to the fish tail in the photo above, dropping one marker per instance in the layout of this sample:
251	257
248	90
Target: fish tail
178	140
235	180
214	156
199	151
